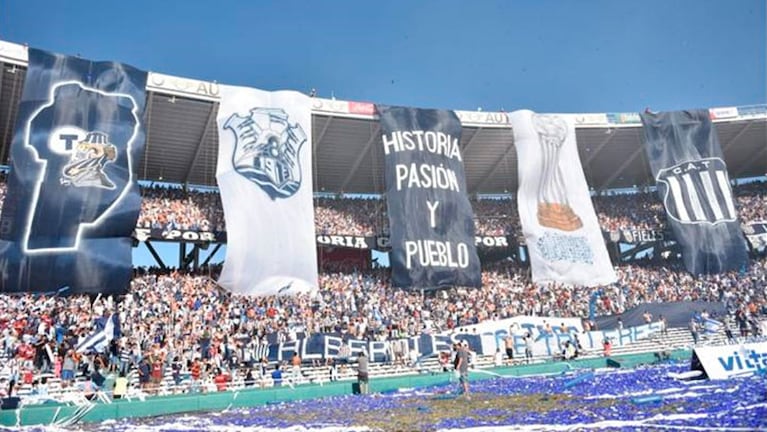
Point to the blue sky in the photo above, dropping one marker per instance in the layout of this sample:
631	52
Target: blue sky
550	56
544	55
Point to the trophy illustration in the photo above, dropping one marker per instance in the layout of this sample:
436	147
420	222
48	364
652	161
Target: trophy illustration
553	208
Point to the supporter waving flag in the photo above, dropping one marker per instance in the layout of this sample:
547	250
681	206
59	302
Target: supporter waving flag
265	177
689	169
107	328
558	220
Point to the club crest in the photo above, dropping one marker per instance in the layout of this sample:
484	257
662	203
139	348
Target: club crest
86	164
698	192
267	149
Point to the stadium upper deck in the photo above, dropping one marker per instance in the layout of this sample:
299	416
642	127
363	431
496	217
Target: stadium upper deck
182	141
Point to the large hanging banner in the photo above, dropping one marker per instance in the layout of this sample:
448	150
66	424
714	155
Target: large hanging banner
73	198
265	179
561	230
691	176
432	228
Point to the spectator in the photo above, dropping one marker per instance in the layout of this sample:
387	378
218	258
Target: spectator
362	372
295	361
528	347
121	387
144	371
694	331
277	376
221	379
249	381
663	325
608	347
462	366
508	343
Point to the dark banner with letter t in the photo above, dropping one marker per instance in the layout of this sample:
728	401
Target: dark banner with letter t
691	175
73	198
430	217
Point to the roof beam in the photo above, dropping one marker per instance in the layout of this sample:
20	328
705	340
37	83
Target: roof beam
17	77
639	151
147	126
618	172
4	143
211	120
495	166
610	133
760	156
593	155
472	140
2	75
316	143
650	179
737	135
363	153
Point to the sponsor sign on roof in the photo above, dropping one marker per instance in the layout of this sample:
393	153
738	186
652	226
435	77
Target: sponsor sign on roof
723	113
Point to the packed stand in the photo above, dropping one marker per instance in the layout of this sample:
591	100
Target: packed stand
172	208
350	216
496	216
645	210
180	325
630	211
752	201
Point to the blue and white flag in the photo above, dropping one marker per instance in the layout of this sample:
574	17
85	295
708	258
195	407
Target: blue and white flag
100	339
691	175
265	179
73	198
431	220
563	236
711	325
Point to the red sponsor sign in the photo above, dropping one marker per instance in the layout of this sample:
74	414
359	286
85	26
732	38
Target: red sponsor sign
363	108
724	112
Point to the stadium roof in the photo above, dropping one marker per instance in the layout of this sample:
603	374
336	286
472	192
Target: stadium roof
182	139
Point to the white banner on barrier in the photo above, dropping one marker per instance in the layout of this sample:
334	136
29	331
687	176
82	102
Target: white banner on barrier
484	339
722	362
549	334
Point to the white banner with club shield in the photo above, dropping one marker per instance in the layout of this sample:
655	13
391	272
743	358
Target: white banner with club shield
561	230
264	176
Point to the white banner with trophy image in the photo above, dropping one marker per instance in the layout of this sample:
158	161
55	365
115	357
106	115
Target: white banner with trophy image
264	175
558	221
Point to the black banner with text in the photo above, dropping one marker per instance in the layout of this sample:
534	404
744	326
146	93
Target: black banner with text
431	219
380	243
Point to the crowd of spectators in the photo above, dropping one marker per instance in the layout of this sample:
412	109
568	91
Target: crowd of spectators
496	216
174	208
752	201
350	216
174	321
367	216
642	211
171	322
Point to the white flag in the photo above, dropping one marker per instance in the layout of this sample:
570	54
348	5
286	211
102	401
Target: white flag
265	179
561	230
